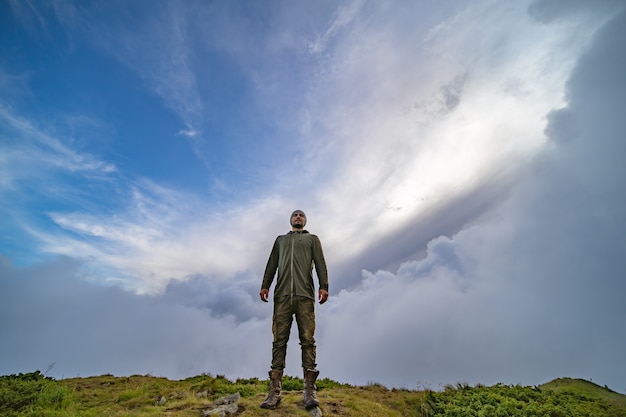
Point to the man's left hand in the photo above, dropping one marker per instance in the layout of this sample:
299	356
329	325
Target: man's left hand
322	296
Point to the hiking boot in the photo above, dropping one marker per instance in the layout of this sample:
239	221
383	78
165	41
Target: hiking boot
310	395
273	397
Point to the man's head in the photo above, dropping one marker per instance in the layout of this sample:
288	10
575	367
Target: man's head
298	220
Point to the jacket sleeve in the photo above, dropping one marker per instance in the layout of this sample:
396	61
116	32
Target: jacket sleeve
320	264
271	267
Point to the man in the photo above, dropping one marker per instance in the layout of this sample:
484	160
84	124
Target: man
294	255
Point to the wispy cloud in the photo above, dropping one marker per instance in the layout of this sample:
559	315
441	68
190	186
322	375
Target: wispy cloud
163	235
342	17
32	148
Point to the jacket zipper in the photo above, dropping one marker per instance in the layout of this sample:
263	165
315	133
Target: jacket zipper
291	269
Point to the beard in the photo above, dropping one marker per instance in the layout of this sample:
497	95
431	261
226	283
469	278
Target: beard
297	225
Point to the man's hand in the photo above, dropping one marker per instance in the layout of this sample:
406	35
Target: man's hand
322	296
265	295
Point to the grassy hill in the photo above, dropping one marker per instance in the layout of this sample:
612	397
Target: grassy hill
33	394
586	388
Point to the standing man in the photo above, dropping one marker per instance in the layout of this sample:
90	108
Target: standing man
294	255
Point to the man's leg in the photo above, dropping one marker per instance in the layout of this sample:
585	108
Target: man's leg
281	327
305	317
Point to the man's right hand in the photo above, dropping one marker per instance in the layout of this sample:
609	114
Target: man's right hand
265	295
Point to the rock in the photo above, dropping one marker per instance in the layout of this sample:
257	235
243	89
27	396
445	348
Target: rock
161	401
315	412
229	399
225	406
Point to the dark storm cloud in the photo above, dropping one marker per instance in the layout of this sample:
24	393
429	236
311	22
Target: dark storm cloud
49	314
236	297
562	126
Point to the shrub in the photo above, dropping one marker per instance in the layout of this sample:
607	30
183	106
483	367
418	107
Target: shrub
31	391
512	401
292	384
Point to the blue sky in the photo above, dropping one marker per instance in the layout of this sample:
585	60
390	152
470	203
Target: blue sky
459	162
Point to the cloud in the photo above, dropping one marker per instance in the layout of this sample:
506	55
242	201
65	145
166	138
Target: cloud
91	330
236	298
155	240
342	17
527	291
188	132
39	147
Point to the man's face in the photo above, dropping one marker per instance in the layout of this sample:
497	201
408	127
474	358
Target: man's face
298	220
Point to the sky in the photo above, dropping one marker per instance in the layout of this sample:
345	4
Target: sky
460	161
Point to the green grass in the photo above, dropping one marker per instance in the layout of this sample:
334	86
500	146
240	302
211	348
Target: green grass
33	394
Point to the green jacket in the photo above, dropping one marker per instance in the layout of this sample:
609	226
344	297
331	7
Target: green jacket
294	255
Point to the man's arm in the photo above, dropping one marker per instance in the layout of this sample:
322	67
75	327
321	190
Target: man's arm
320	269
270	271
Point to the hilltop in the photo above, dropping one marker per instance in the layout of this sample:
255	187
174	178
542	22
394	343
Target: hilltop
33	394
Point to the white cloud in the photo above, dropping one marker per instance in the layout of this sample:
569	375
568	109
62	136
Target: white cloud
188	132
165	235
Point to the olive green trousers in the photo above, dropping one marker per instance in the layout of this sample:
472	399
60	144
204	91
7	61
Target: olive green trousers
284	310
